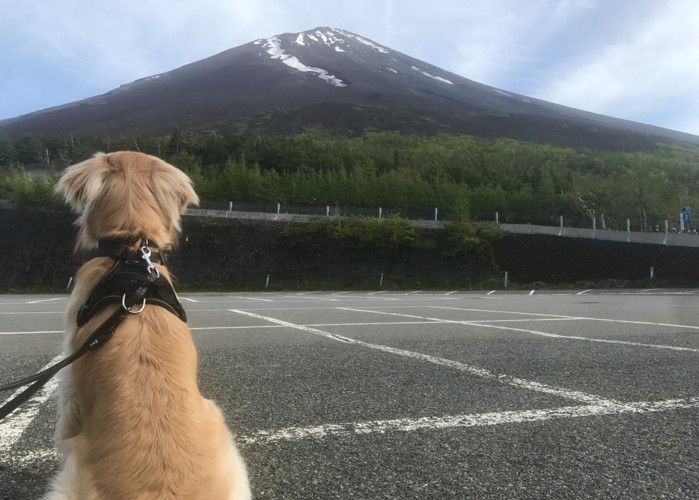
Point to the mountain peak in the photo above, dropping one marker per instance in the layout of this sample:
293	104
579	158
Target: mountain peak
333	78
336	39
296	49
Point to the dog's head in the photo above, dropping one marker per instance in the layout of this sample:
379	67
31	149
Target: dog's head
126	194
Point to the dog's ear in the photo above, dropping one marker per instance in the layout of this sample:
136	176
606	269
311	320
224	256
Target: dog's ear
81	183
174	191
186	194
180	188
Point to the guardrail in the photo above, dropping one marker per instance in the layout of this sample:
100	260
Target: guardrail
437	215
558	225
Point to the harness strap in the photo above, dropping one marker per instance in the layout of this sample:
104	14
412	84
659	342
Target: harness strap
121	248
124	277
101	334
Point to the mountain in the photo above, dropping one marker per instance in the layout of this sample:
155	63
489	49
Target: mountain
336	79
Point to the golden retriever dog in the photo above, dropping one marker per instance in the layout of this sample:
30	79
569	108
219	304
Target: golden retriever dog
132	423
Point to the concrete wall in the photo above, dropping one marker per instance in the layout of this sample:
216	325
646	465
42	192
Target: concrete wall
36	252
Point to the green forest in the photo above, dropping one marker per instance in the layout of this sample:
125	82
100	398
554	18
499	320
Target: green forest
463	175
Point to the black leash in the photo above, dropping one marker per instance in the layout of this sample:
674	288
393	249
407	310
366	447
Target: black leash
133	279
101	335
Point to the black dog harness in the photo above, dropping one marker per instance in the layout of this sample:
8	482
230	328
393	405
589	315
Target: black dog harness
130	272
132	280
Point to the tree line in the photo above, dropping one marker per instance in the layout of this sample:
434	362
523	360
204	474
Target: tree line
464	174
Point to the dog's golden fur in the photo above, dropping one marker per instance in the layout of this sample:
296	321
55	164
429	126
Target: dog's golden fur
132	423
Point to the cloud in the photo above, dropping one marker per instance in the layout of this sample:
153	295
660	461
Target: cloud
643	73
57	52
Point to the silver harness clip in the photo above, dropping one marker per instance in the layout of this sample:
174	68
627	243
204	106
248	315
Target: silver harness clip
146	253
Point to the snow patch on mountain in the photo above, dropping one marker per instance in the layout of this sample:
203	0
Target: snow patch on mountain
438	78
324	37
336	39
364	41
274	48
501	92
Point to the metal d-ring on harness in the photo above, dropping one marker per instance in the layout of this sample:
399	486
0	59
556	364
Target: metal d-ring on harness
133	279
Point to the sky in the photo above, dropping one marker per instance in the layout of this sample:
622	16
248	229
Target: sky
632	59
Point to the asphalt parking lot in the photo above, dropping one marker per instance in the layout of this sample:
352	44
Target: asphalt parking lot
418	395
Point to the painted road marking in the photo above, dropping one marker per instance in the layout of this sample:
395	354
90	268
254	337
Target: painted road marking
25	313
321	325
587	339
484	324
37	332
608	320
266	437
326	299
252	298
307	329
12	428
45	300
14	425
472	370
463	421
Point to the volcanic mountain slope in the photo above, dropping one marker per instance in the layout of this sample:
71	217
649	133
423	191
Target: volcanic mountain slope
336	79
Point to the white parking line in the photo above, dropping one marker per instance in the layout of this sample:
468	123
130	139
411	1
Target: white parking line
485	324
25	313
252	298
45	300
587	339
12	427
307	329
320	298
472	370
266	437
608	320
241	327
37	332
317	325
462	421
